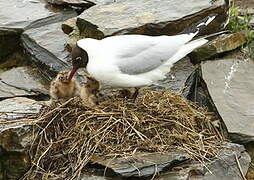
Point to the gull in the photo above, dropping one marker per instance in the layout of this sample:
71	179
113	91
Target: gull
134	61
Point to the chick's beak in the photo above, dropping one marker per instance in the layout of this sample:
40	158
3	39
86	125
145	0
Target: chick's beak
74	69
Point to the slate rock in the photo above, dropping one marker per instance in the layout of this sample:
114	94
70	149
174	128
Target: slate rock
17	16
21	81
154	17
177	77
176	166
9	41
46	48
76	3
16	137
224	167
143	164
13	165
230	85
221	44
28	14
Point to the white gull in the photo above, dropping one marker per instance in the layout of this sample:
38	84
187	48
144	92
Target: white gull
127	61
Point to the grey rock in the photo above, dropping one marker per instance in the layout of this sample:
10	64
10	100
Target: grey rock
224	167
230	85
7	91
17	16
76	3
16	137
9	41
13	165
221	44
14	60
252	21
17	108
177	77
104	1
28	14
46	48
174	166
144	164
154	17
21	81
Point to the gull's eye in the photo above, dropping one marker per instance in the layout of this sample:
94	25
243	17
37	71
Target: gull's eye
78	58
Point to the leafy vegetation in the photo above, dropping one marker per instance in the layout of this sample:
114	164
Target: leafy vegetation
241	22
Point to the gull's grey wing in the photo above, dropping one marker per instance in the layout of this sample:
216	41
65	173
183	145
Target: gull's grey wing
145	60
136	54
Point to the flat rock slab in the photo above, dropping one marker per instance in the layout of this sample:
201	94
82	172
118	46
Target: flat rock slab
16	136
76	3
221	44
28	14
176	166
13	109
46	47
21	81
223	168
9	41
143	165
153	17
230	85
50	37
18	107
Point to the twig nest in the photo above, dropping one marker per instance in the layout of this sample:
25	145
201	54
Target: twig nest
156	122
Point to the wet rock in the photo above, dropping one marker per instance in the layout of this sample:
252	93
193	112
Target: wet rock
21	81
76	3
104	1
9	41
225	167
46	48
176	167
221	44
250	150
16	138
153	17
15	59
13	165
177	77
28	14
69	25
17	16
143	165
16	108
230	85
252	21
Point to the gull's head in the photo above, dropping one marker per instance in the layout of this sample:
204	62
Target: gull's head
79	59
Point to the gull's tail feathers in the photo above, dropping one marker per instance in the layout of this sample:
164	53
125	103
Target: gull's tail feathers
197	27
186	49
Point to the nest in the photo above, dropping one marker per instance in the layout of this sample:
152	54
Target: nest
68	136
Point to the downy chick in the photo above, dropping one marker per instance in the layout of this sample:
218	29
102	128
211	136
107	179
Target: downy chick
89	92
62	89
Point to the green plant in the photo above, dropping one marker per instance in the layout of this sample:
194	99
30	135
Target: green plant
241	22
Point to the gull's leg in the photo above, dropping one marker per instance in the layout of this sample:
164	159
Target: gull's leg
135	94
124	93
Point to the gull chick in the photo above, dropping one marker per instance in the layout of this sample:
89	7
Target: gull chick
62	88
89	92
